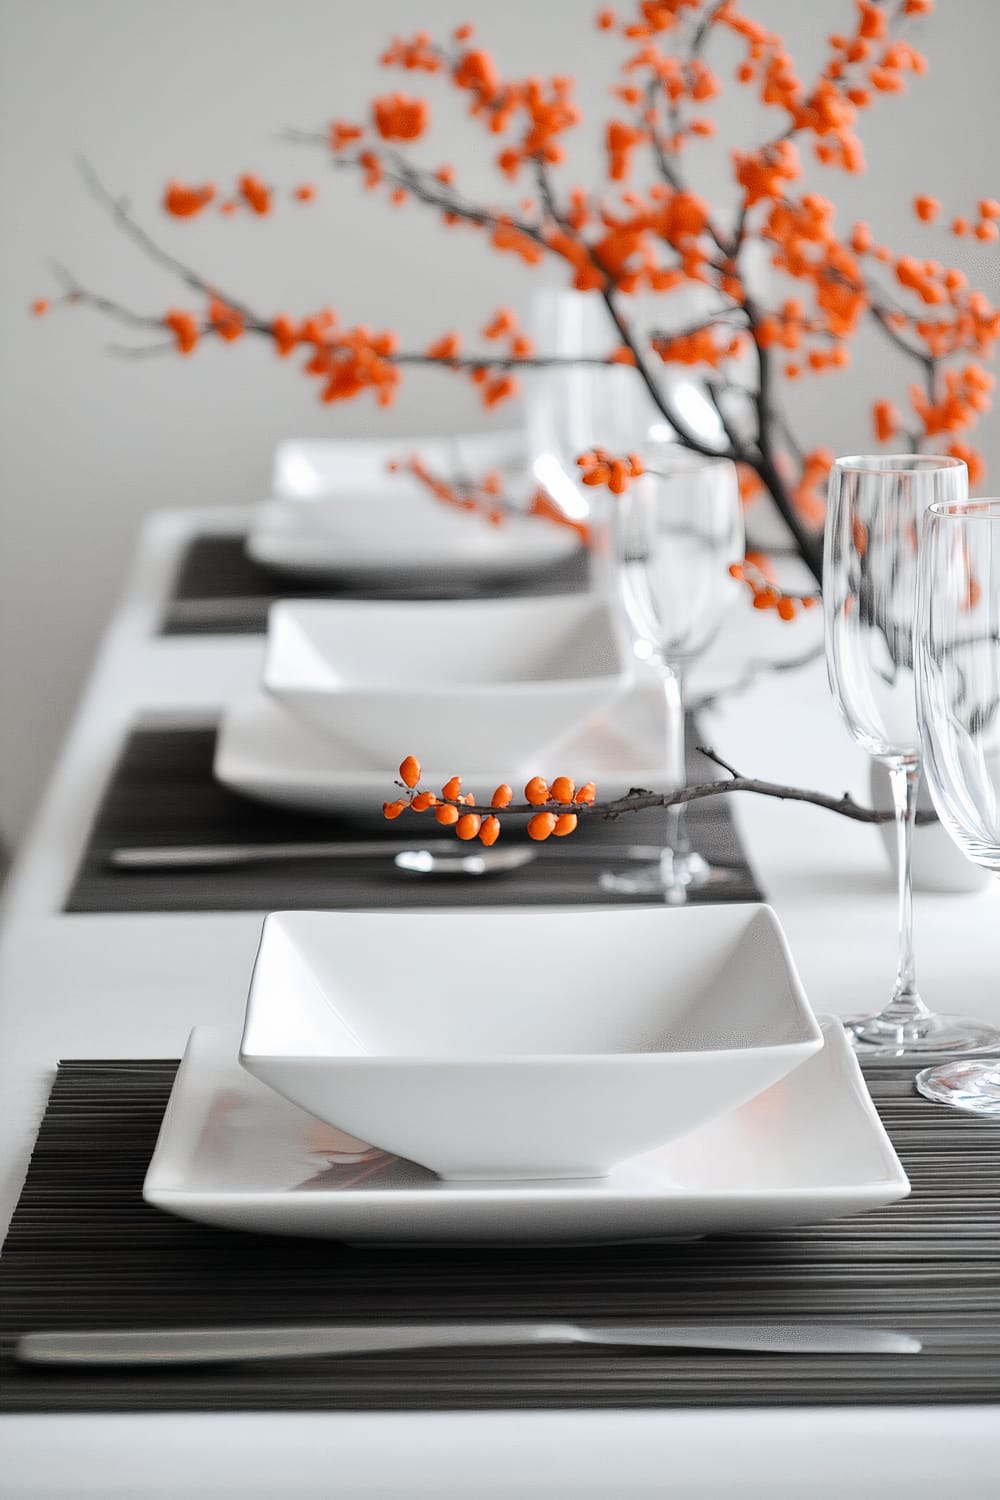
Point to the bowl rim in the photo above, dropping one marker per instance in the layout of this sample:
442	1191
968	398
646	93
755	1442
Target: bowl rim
618	676
801	1010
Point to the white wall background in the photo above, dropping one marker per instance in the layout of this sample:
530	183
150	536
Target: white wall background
199	89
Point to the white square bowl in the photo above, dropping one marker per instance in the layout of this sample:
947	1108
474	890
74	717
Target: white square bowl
524	1044
461	683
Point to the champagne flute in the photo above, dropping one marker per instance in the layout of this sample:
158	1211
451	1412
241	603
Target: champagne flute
875	509
676	532
958	708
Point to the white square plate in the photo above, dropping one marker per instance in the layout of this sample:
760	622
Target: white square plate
264	752
234	1154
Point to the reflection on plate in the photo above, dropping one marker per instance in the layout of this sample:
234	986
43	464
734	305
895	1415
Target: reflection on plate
266	753
233	1153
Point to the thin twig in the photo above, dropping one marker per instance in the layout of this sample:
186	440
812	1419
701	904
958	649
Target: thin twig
754	669
119	210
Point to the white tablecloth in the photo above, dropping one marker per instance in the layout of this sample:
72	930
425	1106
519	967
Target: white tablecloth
99	986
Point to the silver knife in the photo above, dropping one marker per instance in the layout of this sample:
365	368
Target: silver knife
209	856
167	1346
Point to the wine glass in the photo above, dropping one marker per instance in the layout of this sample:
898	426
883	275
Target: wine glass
676	531
875	509
958	708
573	407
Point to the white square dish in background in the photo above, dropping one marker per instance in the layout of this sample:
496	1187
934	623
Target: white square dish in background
520	1044
310	469
463	682
338	511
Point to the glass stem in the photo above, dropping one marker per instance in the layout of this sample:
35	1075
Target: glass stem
906	1004
673	687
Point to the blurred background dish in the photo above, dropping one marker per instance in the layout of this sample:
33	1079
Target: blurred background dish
467	681
338	511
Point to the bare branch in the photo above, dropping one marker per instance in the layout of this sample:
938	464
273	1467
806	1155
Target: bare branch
120	212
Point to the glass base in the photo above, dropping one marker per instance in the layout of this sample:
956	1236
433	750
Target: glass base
670	879
972	1086
871	1036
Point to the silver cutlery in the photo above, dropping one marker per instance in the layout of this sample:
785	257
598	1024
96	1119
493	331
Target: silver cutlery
167	1346
432	857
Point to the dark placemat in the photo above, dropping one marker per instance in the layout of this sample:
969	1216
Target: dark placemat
219	589
84	1251
162	792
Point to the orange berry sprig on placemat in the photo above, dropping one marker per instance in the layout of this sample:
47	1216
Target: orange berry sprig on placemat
551	809
554	809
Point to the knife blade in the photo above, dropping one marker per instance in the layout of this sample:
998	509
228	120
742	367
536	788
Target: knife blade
167	1346
209	856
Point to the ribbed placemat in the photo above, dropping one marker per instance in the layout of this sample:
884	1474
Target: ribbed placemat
162	792
84	1251
219	589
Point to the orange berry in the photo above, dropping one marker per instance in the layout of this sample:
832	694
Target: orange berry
786	608
989	208
255	192
468	825
468	799
563	789
184	326
586	794
502	796
305	193
452	788
409	771
541	825
446	814
926	208
422	801
959	226
40	307
987	230
183	201
537	791
565	823
490	831
392	809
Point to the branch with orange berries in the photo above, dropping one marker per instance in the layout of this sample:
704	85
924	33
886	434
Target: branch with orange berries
554	810
485	497
612	239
